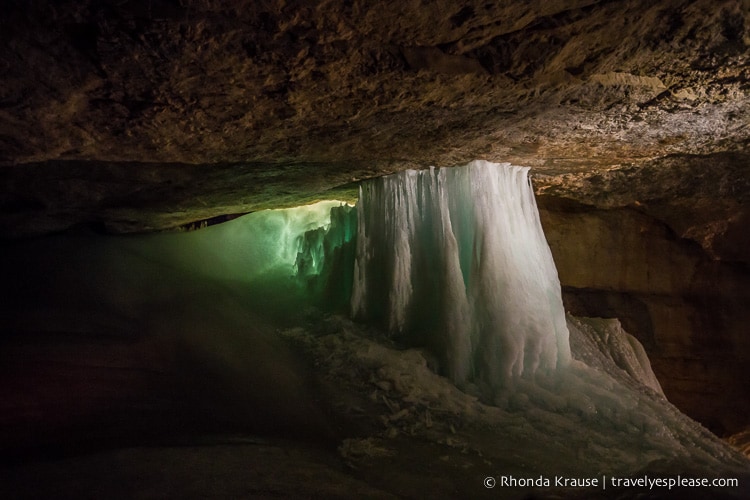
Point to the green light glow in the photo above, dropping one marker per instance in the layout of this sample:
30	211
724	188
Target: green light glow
243	249
281	261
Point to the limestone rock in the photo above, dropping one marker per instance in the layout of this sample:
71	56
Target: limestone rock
443	82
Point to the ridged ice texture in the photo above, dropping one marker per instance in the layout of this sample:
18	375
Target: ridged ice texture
457	258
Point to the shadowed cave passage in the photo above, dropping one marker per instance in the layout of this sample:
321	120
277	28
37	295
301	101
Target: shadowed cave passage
219	334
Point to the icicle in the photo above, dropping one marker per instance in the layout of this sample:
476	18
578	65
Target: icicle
456	258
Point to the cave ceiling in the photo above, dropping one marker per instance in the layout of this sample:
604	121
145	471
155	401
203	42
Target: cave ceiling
142	115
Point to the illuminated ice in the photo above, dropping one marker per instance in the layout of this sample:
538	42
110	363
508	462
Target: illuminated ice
451	259
456	259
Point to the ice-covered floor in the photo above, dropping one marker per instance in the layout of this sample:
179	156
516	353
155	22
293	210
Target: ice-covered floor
400	430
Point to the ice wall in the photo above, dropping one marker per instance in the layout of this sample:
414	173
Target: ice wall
274	257
252	259
621	351
456	259
325	260
244	249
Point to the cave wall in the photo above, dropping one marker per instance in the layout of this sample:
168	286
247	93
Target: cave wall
687	308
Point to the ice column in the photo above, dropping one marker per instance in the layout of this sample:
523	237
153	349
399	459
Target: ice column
456	259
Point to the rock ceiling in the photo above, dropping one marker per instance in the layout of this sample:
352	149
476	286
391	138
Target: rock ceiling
148	114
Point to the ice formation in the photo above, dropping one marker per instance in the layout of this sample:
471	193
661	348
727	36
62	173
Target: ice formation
456	259
325	260
453	260
280	259
621	351
591	418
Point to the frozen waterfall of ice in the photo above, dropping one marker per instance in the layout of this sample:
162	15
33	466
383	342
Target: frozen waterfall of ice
456	259
455	256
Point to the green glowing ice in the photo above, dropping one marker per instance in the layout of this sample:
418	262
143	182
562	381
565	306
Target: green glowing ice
281	260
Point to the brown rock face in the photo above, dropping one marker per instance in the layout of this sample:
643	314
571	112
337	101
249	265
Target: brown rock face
147	115
658	264
690	312
419	82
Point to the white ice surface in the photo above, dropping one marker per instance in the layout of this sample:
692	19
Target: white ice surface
461	252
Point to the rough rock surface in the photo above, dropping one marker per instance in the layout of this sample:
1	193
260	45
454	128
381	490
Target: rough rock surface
688	310
418	82
662	245
700	198
143	115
